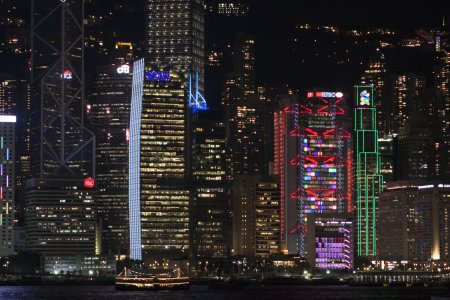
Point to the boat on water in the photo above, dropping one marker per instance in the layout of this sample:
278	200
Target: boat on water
132	280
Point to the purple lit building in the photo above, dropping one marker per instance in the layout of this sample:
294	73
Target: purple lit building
330	241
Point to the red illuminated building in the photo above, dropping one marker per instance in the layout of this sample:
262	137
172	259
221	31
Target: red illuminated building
313	158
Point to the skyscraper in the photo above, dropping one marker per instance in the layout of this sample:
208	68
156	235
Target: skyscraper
108	113
442	104
60	143
415	149
245	138
7	183
175	36
158	163
369	181
313	158
15	100
210	217
407	92
59	205
376	75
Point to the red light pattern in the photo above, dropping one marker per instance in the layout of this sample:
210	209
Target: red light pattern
321	161
89	183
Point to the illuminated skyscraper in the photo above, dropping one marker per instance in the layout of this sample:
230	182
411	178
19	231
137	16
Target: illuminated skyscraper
376	75
15	100
415	149
158	163
369	181
108	113
7	183
59	205
245	138
313	158
61	143
442	87
210	217
175	36
408	91
244	63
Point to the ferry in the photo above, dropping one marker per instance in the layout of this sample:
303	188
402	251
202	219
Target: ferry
133	280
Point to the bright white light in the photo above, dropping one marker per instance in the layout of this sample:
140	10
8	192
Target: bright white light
339	95
8	119
124	69
91	272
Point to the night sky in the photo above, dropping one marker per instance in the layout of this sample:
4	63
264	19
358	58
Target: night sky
279	61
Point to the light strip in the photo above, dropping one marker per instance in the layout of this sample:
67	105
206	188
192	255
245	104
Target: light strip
8	119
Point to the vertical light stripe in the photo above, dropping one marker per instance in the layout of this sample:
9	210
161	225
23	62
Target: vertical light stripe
135	161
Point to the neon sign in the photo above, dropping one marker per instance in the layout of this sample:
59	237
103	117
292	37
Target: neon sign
196	100
158	76
67	74
89	183
326	94
124	69
365	98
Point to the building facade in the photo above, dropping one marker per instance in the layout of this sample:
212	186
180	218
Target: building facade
175	36
396	221
7	182
159	199
313	159
210	210
108	113
369	181
415	149
432	228
256	216
60	141
330	241
60	217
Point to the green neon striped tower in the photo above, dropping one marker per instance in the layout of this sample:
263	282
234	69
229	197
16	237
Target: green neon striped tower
369	181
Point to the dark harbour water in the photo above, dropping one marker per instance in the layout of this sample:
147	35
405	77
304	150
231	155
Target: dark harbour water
202	292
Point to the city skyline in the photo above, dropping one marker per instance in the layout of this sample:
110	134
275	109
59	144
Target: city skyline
226	138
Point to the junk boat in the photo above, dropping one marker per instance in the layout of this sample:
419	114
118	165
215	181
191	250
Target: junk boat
132	280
